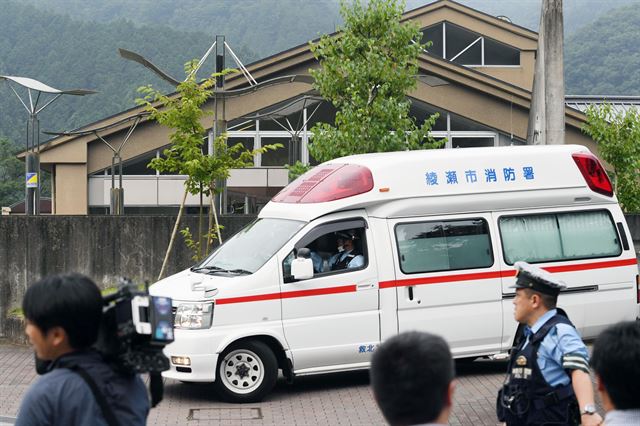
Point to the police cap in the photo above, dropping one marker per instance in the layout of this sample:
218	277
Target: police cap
349	234
537	279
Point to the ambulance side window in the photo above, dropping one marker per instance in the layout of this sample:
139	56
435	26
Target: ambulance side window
558	236
443	245
336	248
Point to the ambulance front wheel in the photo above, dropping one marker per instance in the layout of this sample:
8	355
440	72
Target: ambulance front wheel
247	371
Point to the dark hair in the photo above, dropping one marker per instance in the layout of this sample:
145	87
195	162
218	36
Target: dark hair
549	301
410	377
70	301
616	359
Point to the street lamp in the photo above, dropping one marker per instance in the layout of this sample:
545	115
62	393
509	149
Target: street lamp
32	158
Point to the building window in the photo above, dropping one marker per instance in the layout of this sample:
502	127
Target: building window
280	156
247	142
472	142
468	48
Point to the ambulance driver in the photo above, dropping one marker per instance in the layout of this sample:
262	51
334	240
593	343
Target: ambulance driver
548	376
348	256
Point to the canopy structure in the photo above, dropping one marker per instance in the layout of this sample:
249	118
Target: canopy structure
283	112
117	192
32	84
32	160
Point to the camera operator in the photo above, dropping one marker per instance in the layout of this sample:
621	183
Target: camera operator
63	315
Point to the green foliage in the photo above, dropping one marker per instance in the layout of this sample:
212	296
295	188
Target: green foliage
195	245
366	73
184	114
297	169
617	135
602	58
266	26
66	53
11	174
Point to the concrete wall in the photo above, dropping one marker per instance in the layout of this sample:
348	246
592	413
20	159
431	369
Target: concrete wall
103	247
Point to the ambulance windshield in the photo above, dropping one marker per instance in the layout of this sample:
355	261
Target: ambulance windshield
250	248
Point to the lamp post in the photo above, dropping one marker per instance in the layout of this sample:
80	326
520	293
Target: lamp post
35	89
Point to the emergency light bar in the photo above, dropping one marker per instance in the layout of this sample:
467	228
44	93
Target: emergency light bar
327	183
593	172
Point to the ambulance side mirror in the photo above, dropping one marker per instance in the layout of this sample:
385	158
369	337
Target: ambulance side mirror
302	265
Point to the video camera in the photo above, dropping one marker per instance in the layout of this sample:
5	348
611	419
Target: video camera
135	328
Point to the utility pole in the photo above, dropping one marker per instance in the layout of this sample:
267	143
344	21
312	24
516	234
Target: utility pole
546	117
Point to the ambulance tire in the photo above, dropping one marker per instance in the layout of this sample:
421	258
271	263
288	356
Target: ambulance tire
246	372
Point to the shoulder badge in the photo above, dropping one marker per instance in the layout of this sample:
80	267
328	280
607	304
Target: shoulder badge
521	361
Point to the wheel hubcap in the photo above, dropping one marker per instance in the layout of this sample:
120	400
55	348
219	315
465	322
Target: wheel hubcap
242	371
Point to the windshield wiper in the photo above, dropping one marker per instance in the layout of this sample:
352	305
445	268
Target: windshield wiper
212	268
209	268
240	271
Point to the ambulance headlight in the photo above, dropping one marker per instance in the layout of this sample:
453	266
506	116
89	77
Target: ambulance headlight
194	316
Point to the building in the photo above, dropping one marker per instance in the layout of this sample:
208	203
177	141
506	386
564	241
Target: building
477	74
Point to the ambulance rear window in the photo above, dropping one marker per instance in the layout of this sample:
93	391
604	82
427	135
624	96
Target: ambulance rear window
558	236
327	182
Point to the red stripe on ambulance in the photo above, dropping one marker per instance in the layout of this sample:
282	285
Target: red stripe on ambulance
289	294
422	281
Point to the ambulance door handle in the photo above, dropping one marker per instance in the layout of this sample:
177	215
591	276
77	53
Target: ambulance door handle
410	291
366	286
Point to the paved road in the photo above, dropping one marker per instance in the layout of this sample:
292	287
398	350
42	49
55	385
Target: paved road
336	399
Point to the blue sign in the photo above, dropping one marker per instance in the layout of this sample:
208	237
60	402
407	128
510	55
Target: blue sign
32	180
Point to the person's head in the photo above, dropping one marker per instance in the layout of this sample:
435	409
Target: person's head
536	292
412	379
616	362
63	313
346	239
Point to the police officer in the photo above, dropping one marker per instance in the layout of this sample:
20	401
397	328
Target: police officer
548	378
348	256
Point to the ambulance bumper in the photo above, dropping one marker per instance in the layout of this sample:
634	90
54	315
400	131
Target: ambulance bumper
198	348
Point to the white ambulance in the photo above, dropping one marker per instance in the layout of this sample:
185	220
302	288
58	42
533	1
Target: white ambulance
432	238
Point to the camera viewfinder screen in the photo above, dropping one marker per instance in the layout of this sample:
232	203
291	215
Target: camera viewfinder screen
161	319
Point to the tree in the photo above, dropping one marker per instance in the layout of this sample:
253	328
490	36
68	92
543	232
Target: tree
183	113
617	135
366	72
11	174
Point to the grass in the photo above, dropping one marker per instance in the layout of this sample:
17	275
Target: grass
16	313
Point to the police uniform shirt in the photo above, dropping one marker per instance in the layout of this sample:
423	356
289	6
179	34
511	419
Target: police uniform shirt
562	349
356	262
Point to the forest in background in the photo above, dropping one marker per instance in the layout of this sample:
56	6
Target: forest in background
73	44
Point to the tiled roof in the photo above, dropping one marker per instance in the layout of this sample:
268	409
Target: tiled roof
618	103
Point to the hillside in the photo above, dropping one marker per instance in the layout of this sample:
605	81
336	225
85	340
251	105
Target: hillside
65	53
604	57
264	26
269	26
